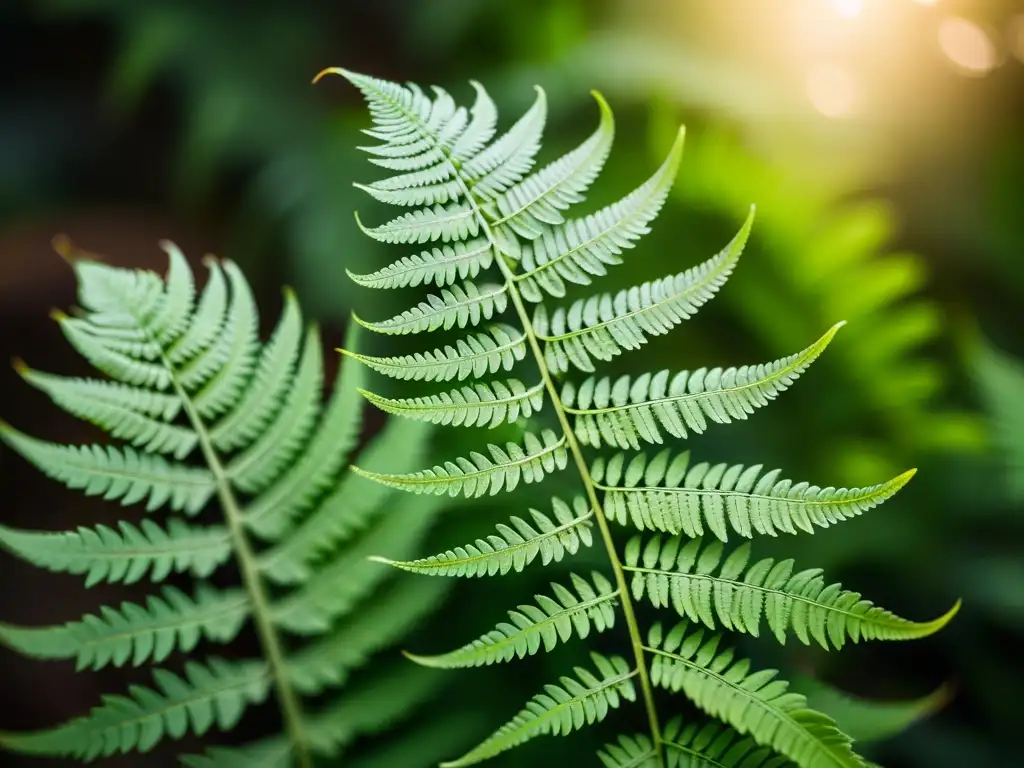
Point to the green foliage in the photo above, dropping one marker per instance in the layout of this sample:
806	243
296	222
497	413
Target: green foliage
479	191
205	411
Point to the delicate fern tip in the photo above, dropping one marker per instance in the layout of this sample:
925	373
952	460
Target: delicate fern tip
65	248
20	366
59	315
931	627
379	559
328	71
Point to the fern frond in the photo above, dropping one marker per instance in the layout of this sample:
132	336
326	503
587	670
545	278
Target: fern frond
580	249
692	578
136	634
140	416
212	694
628	410
692	746
531	627
195	375
458	306
753	703
120	474
630	752
330	662
514	546
479	475
440	266
501	224
273	513
125	555
373	706
353	506
561	709
665	493
446	223
604	326
349	577
485	405
269	753
536	202
498	349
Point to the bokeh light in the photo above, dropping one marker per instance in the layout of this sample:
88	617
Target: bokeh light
849	8
832	90
967	46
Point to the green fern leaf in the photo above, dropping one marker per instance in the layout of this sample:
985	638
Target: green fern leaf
626	411
514	546
485	405
630	752
193	374
536	202
352	507
664	493
126	555
117	473
604	326
562	708
499	224
753	703
459	306
499	349
580	249
479	475
331	661
213	694
682	574
440	266
370	707
531	627
270	753
136	634
140	416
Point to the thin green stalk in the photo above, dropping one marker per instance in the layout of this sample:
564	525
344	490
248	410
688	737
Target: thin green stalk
290	711
636	639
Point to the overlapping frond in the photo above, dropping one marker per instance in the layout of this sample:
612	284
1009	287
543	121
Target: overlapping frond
125	555
664	492
479	475
515	545
137	634
604	326
628	410
208	413
499	349
576	702
692	577
214	694
530	627
752	702
504	238
693	745
485	405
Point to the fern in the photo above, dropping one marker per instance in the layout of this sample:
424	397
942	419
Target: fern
207	412
468	188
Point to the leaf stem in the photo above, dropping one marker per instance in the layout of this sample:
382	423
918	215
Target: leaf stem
636	640
291	712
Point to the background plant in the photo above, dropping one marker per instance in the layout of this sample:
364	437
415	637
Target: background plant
188	379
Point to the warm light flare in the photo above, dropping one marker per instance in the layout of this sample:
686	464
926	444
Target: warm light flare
849	8
832	90
967	46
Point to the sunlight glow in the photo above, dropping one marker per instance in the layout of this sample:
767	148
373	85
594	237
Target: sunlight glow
849	8
832	90
967	46
926	2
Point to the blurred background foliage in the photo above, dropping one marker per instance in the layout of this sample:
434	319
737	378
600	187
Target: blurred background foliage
880	140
